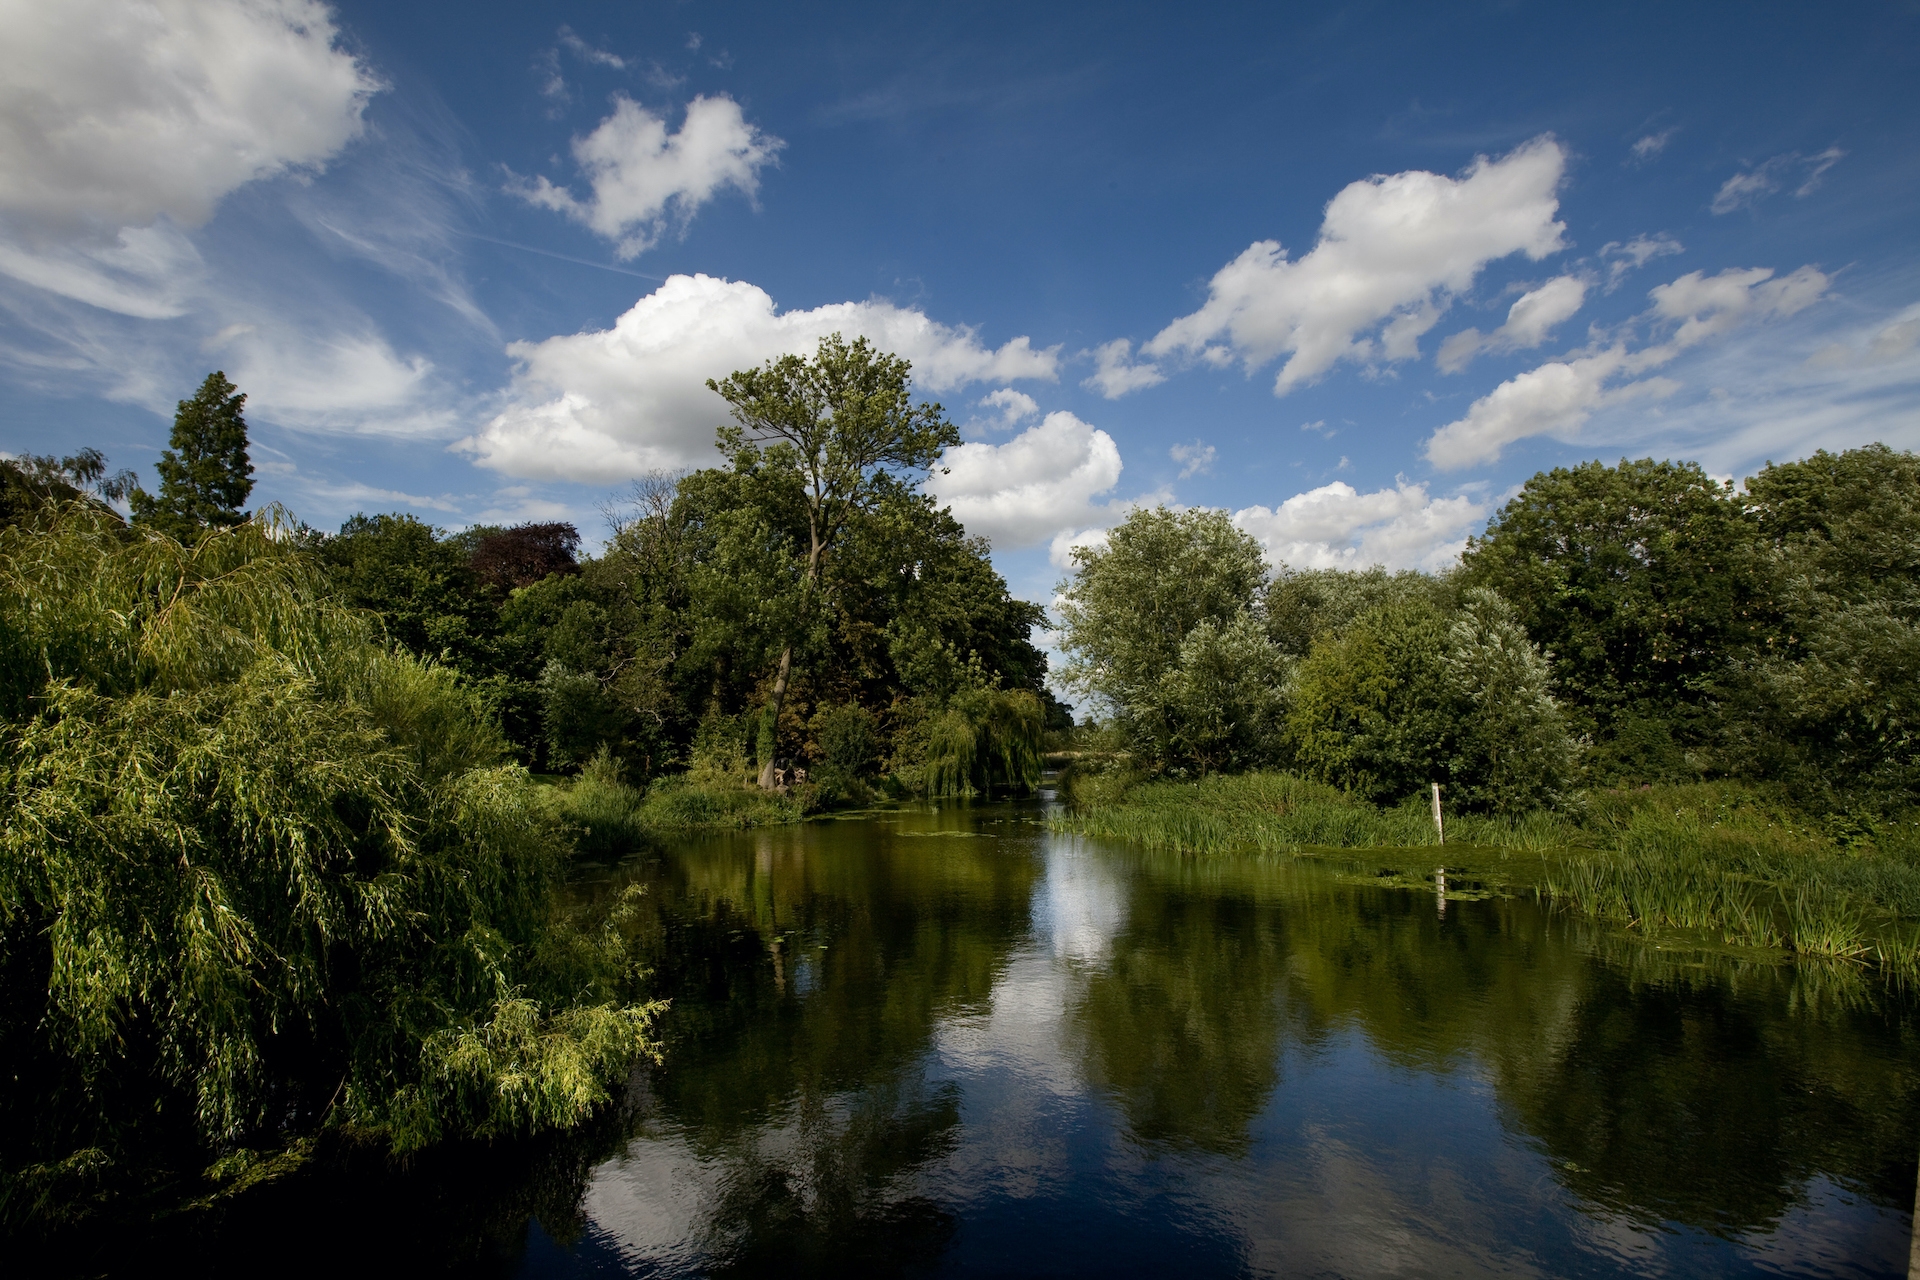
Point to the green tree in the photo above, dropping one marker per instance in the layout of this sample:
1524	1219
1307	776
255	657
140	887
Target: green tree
1512	747
1640	581
260	875
1225	694
205	476
1833	703
843	430
1129	607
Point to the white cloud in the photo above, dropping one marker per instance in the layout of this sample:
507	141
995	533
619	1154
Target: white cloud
338	382
1115	373
1633	254
1530	322
644	177
1338	527
1009	406
615	403
1893	343
1652	145
148	273
1195	459
1037	484
114	114
1391	252
1749	188
1558	397
588	53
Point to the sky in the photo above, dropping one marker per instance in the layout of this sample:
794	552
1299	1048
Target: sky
1351	272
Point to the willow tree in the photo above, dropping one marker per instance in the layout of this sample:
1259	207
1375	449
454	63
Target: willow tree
261	875
843	430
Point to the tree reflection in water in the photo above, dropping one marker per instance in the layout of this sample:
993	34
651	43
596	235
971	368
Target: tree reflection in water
950	1039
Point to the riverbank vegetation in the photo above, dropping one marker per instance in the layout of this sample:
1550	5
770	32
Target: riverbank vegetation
1699	702
289	813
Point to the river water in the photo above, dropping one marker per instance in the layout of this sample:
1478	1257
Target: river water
953	1042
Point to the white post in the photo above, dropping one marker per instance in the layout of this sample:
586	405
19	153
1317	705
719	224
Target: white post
1438	827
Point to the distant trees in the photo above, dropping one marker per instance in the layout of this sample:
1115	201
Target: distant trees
1641	622
205	473
1381	683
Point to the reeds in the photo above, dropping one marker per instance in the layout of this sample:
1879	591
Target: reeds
1715	859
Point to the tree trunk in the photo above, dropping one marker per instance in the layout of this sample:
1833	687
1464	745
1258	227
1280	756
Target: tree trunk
781	678
779	700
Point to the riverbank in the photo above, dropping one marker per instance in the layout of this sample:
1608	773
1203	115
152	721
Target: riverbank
1718	859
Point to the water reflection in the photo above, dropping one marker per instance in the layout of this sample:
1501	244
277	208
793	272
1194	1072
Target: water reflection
951	1041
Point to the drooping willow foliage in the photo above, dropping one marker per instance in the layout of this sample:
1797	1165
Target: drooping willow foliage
986	738
262	874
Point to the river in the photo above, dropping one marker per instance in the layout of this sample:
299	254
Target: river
953	1042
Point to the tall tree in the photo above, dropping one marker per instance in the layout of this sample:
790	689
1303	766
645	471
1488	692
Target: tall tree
842	429
1641	580
205	476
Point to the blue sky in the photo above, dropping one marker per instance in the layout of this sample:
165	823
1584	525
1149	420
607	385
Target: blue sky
1352	272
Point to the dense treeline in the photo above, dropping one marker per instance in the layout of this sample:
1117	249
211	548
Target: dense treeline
718	632
1614	626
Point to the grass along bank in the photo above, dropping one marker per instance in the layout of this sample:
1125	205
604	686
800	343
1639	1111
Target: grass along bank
1719	859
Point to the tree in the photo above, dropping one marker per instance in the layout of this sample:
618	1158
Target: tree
206	475
1833	702
261	875
507	559
1226	695
843	430
1641	580
1411	694
1130	606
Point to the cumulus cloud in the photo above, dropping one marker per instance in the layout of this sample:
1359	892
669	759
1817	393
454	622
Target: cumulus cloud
1749	188
615	403
643	178
1338	527
1558	397
113	115
1037	484
1009	407
1195	459
1531	320
1115	373
1630	255
1392	251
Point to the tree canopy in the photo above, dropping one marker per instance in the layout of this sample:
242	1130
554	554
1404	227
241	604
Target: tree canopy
205	473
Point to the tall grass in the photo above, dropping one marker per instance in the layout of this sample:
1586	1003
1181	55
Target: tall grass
1717	859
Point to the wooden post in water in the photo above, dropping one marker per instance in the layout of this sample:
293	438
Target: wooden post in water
1439	875
1439	828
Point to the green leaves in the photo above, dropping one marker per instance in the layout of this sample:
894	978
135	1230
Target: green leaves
205	476
254	863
